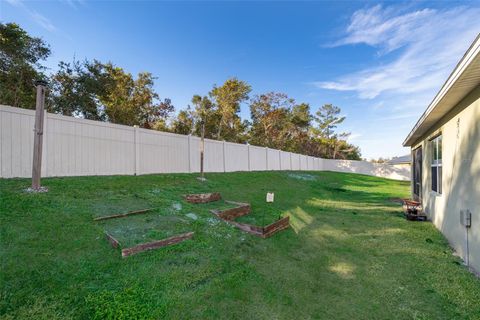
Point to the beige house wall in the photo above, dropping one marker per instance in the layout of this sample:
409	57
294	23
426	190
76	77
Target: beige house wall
460	130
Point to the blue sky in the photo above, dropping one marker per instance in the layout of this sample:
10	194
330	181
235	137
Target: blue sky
382	63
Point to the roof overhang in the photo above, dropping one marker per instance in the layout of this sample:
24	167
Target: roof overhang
464	78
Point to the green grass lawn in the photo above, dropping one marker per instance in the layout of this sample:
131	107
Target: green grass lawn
349	254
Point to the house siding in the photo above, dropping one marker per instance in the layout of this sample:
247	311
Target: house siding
460	130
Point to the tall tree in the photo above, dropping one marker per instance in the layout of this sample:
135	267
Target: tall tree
133	102
204	110
76	90
99	91
184	122
299	125
153	111
328	117
20	56
270	114
334	145
228	98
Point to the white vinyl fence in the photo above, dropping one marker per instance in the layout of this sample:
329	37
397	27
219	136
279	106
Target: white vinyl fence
79	147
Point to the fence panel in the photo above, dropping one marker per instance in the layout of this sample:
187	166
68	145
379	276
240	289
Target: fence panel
303	162
236	157
258	158
310	165
163	152
285	163
273	158
214	156
76	147
16	143
194	154
295	161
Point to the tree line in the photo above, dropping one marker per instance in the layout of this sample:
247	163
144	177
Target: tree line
105	92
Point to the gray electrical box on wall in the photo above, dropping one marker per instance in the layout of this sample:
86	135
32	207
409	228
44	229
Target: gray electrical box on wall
466	218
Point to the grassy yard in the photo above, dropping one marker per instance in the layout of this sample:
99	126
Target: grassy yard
348	255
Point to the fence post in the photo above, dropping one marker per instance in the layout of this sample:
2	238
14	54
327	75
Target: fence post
38	136
266	158
291	167
248	153
136	133
280	159
189	154
224	168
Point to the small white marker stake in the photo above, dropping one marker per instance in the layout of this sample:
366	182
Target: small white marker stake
270	196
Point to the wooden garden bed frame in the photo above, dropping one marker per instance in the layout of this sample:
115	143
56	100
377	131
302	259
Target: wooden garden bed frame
123	215
148	245
229	216
142	246
156	244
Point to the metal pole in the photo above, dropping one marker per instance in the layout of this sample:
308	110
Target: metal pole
38	135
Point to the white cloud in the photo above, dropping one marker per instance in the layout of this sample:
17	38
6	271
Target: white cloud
40	19
429	41
415	52
353	137
74	3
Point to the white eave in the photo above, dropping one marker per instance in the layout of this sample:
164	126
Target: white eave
464	78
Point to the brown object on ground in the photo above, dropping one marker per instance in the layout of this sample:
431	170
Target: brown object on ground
250	228
275	227
156	244
413	210
202	197
263	232
114	242
229	216
122	215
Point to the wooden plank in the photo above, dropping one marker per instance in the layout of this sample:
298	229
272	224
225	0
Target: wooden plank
241	204
275	227
231	214
122	215
156	244
249	228
114	242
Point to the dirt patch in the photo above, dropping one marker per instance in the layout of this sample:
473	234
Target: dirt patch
202	197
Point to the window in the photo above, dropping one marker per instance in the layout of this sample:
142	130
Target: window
437	164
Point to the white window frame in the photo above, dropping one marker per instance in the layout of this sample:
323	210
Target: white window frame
437	154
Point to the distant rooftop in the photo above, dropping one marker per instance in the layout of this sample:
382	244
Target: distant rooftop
401	160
